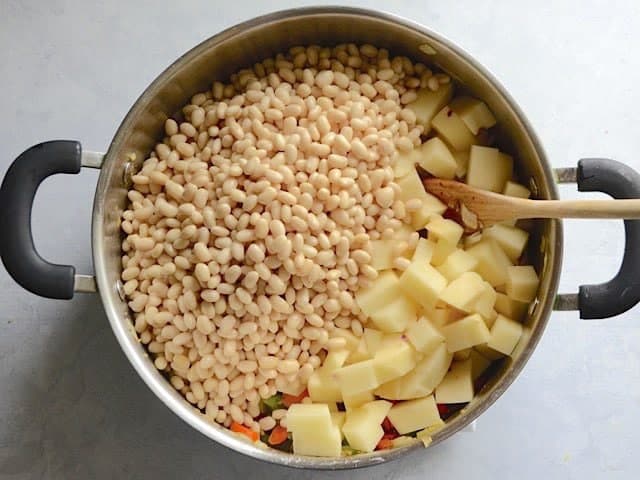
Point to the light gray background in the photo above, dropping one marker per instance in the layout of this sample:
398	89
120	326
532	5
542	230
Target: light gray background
70	404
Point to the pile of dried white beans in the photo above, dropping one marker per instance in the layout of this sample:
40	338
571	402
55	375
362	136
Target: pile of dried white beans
248	228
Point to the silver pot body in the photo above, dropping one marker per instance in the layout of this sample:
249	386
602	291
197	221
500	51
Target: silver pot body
241	46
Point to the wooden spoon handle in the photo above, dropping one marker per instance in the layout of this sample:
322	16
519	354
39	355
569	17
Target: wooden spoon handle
627	209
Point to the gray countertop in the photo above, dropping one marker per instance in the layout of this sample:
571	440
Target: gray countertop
70	404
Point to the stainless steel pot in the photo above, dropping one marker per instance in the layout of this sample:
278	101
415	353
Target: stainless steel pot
217	58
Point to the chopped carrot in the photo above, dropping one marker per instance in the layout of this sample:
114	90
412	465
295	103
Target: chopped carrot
391	435
288	400
278	435
246	431
384	444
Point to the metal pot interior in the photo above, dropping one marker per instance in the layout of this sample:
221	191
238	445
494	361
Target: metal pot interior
241	46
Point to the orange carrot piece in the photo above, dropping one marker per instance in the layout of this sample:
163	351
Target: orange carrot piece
278	435
288	400
246	431
384	444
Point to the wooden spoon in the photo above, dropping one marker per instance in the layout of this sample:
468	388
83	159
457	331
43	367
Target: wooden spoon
480	208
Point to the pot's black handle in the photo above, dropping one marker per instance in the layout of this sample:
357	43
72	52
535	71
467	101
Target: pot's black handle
622	292
17	192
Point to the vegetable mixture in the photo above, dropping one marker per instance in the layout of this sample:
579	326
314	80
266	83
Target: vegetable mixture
288	271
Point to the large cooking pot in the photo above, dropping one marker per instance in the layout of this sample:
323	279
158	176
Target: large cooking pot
217	58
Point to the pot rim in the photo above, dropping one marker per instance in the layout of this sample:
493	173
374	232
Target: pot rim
164	391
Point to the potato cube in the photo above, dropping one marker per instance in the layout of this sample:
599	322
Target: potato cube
492	261
462	355
411	187
513	189
423	336
505	335
394	360
406	162
422	380
463	291
485	302
422	283
308	416
428	103
382	254
395	316
436	159
323	388
445	229
488	352
334	360
357	377
511	308
439	317
457	385
322	441
359	354
465	333
474	113
424	251
479	363
462	160
512	240
451	127
338	418
357	399
457	263
373	339
362	427
382	290
442	251
522	283
488	168
413	415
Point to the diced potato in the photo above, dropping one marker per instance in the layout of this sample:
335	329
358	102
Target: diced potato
505	335
457	384
492	261
411	187
489	169
462	160
333	407
465	333
436	159
424	251
479	363
351	339
445	229
442	251
485	302
513	189
323	388
422	283
474	113
382	254
451	127
489	318
470	240
511	308
512	240
439	317
362	428
395	316
457	263
428	103
413	415
308	416
382	290
422	380
522	283
359	354
488	352
394	360
338	418
403	441
357	399
462	292
334	360
423	336
373	339
406	162
462	355
357	377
